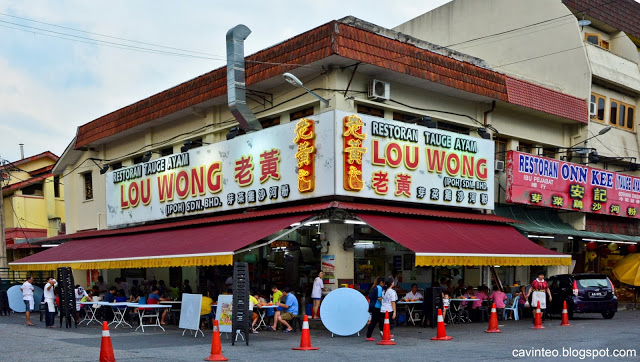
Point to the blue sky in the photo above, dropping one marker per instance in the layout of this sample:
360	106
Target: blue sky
49	86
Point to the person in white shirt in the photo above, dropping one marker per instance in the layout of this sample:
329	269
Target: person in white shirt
50	300
27	295
316	294
79	293
414	293
389	298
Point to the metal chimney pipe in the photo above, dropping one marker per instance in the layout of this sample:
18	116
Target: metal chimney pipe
237	97
21	151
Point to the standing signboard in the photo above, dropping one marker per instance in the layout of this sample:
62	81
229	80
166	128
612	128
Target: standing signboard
224	313
190	312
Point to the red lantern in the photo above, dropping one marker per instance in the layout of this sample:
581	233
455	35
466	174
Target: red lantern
632	248
592	245
604	250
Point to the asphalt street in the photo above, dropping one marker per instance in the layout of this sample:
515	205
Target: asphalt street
21	343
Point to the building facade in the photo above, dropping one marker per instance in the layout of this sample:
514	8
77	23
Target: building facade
589	49
401	136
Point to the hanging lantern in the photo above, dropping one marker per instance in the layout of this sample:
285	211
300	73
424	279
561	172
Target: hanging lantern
613	246
632	248
591	256
592	245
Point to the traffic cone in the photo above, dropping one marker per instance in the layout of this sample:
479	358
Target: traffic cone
305	340
537	322
442	333
386	333
106	349
493	321
216	347
565	315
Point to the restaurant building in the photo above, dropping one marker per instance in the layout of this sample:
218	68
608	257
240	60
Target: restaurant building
587	209
387	163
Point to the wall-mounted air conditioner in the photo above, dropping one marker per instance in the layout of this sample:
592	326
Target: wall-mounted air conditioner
379	90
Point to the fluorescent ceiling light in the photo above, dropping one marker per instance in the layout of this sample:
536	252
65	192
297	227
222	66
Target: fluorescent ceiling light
295	224
315	222
609	241
355	222
541	236
49	245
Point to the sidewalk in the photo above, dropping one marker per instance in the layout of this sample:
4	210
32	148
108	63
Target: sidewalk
469	340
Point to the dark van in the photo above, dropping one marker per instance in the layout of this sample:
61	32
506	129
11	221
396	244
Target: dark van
584	293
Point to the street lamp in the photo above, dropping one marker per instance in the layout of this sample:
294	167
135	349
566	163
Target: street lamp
293	80
600	133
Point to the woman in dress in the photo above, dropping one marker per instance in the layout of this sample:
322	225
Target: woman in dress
539	289
316	294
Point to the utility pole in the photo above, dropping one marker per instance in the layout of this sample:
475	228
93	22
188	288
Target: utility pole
3	243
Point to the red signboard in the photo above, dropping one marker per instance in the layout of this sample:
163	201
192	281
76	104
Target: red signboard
542	181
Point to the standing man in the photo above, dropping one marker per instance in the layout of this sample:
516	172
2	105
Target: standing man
27	295
79	293
539	287
50	301
186	288
124	287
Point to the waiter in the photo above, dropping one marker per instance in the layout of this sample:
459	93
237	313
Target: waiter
50	300
539	289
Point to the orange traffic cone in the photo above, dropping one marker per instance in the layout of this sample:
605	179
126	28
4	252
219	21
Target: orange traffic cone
106	349
537	322
305	340
493	321
386	333
565	315
442	333
216	347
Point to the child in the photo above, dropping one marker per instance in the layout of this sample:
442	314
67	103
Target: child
445	304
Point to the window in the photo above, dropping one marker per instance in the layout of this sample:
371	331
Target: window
301	113
166	151
622	115
501	149
270	122
453	128
56	186
525	147
33	190
403	117
600	102
595	39
370	111
549	152
88	186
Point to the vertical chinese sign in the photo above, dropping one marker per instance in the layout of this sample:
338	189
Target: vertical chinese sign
353	137
305	139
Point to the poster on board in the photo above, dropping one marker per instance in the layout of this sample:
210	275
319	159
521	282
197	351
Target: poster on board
190	311
329	267
224	312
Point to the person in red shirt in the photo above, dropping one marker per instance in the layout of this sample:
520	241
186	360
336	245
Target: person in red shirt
539	289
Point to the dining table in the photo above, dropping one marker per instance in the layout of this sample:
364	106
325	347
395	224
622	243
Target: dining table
142	308
410	305
456	307
262	311
119	312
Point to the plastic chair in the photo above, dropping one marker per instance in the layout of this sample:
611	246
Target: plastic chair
514	308
509	296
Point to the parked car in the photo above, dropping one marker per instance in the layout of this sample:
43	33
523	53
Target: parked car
584	293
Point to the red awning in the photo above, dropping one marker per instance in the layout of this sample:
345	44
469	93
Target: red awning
445	242
23	246
208	245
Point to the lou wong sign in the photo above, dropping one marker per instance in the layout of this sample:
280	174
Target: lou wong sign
333	153
384	159
541	181
275	165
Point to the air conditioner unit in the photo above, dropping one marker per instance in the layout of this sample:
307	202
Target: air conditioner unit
379	90
593	109
499	165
